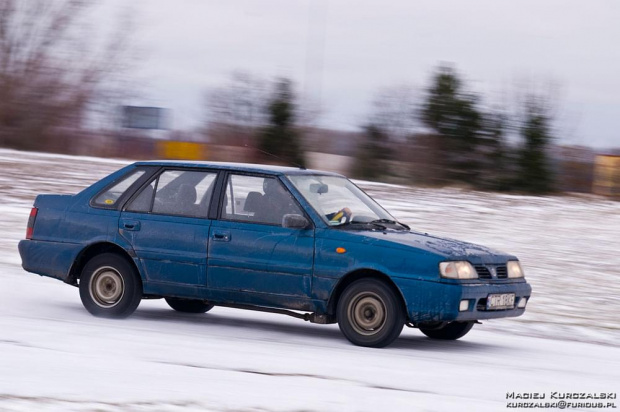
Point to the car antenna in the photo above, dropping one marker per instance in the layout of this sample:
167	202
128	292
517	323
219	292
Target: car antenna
276	156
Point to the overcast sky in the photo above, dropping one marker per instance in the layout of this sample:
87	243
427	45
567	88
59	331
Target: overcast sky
344	51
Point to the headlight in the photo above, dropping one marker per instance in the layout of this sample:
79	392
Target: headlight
457	270
514	269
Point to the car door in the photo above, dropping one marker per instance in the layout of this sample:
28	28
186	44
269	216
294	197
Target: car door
167	225
250	252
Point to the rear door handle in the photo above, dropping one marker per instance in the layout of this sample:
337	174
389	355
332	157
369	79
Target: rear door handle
221	236
131	224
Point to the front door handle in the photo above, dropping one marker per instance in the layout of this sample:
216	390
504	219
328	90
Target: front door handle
221	236
130	224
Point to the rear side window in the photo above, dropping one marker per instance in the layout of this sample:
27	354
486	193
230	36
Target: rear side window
111	195
176	192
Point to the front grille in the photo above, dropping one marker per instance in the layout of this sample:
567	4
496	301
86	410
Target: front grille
483	272
502	272
492	271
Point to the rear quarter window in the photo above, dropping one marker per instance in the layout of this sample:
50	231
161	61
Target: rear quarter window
109	197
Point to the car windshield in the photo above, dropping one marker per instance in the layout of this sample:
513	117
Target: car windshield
339	202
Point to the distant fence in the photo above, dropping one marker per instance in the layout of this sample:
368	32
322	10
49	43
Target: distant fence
600	175
575	176
329	162
140	148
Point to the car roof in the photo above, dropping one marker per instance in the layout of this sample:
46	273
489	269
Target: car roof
242	167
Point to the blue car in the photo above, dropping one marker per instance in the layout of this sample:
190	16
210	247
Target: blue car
304	243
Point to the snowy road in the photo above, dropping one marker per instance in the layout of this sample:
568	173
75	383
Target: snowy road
55	356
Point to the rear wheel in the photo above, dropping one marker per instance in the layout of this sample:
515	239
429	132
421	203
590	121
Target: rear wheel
110	286
452	331
189	305
370	313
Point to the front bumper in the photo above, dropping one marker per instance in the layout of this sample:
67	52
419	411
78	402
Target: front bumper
439	301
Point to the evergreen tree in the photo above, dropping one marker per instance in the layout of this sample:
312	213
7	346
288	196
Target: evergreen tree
454	116
372	154
496	167
280	138
533	165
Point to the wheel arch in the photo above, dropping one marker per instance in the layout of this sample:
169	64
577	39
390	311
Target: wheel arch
356	275
93	250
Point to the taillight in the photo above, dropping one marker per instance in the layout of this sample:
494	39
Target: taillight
31	219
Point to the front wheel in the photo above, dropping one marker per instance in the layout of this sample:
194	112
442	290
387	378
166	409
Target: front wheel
110	286
370	313
452	331
189	305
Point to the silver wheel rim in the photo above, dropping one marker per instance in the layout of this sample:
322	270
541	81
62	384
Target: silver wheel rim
106	287
367	313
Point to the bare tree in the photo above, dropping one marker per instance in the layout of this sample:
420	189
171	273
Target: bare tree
52	69
236	110
394	112
388	133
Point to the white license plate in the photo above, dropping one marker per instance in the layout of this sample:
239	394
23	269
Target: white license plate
501	301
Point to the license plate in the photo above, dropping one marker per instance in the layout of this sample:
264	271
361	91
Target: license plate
501	301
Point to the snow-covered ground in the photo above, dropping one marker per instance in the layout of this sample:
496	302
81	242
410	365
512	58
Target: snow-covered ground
55	356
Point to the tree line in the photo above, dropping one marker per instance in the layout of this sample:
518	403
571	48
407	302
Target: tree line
53	78
448	137
460	141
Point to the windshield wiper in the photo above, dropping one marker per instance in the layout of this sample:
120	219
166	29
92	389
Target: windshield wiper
392	222
376	224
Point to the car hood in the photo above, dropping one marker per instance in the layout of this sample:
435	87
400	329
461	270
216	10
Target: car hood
450	249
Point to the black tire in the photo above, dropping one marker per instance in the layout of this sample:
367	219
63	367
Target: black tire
189	305
452	331
110	286
370	313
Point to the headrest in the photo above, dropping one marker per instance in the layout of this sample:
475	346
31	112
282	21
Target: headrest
187	193
253	202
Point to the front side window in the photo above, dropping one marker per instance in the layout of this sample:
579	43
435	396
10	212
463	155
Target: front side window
111	195
338	200
176	192
258	199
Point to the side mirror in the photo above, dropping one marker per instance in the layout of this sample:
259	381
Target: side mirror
295	222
